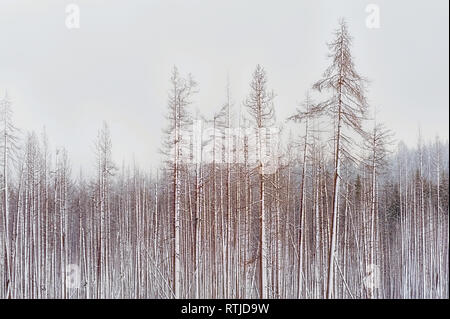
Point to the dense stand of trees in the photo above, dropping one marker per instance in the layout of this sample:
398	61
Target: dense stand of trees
236	210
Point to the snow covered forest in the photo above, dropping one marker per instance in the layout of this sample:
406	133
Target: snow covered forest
241	207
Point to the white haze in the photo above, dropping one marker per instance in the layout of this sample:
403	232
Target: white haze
116	67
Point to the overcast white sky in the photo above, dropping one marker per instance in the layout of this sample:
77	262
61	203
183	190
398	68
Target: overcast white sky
116	66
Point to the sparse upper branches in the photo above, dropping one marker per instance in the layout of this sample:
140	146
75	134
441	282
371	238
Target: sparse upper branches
9	133
103	147
377	142
308	111
347	101
179	98
260	101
